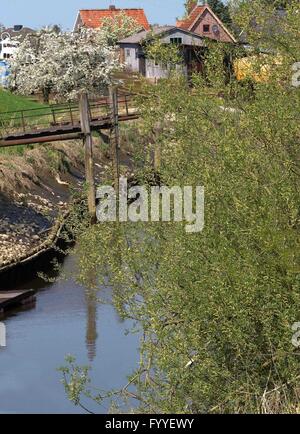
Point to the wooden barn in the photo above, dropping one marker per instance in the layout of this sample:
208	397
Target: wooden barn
135	59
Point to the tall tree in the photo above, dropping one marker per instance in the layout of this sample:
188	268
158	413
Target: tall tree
217	308
221	10
278	3
189	6
119	26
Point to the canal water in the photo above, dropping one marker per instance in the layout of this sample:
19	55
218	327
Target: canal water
64	320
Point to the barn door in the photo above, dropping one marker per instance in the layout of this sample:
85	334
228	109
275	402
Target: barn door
142	66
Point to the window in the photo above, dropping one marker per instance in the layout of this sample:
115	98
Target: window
177	41
128	52
206	28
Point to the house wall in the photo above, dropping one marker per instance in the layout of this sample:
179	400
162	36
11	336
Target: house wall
129	56
186	39
154	71
7	48
207	18
157	71
78	23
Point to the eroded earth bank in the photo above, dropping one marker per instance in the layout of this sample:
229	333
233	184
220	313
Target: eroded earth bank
35	189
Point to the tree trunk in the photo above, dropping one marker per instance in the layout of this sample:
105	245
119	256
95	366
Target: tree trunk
46	95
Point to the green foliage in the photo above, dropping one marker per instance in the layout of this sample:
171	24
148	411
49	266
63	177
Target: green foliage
216	308
189	5
221	10
267	30
77	383
119	27
168	55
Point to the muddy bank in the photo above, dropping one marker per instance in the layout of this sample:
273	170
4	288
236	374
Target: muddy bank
35	190
36	261
35	193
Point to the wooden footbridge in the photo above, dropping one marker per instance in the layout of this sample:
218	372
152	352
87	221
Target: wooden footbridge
62	121
73	121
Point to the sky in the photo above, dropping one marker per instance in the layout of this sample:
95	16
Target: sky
38	13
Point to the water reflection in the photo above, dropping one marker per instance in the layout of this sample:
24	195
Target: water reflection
18	310
91	326
66	319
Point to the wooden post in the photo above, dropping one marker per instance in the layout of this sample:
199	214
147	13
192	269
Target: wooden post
71	114
23	121
114	135
157	157
126	105
53	116
88	148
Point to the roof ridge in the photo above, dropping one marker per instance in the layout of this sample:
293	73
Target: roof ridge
111	10
92	17
194	16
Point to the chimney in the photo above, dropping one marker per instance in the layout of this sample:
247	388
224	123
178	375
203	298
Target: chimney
112	7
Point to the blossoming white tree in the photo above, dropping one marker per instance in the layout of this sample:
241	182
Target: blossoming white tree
63	63
119	26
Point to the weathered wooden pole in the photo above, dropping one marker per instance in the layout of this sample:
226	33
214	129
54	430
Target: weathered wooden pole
157	157
88	151
156	148
114	135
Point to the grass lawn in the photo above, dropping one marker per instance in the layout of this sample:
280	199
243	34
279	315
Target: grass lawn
10	102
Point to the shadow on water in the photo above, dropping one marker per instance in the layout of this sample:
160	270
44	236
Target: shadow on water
91	327
66	319
24	275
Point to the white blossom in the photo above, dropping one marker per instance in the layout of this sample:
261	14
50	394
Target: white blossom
119	26
63	63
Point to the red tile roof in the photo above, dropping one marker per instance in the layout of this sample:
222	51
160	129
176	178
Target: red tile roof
92	17
196	13
189	21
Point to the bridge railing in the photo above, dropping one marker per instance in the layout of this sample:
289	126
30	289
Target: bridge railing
59	115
